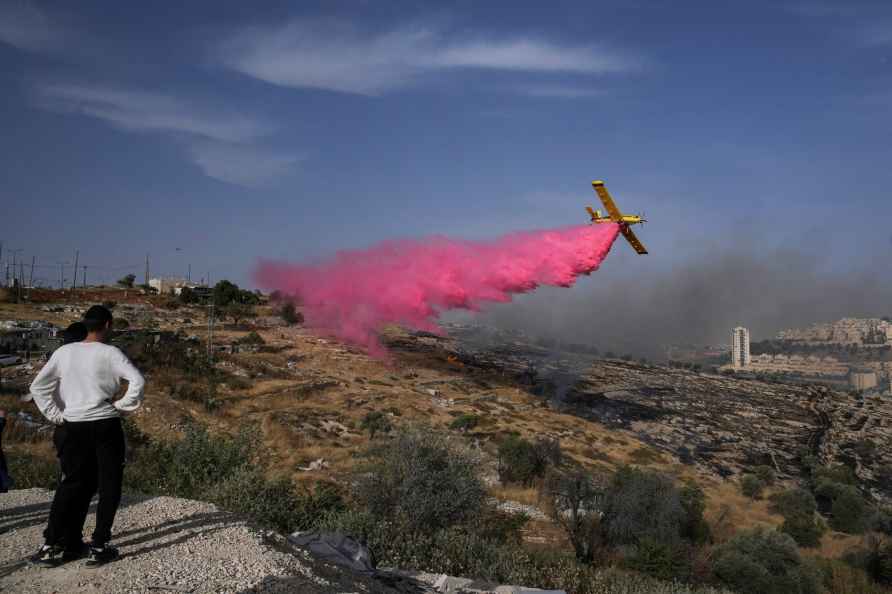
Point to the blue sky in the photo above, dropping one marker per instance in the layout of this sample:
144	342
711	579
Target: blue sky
236	130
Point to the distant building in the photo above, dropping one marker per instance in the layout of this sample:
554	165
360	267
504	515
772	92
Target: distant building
863	380
173	286
870	332
799	365
740	348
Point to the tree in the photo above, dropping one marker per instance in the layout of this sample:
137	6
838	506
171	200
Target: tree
849	511
127	281
238	312
290	314
575	500
187	296
224	293
640	503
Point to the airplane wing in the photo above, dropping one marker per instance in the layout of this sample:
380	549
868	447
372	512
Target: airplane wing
630	237
604	195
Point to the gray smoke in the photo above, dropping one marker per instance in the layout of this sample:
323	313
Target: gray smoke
698	302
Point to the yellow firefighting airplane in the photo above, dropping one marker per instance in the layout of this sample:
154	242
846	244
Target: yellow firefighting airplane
615	216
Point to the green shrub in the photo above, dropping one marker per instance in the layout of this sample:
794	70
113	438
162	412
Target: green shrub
251	338
765	562
798	507
849	512
462	551
766	474
805	530
189	467
465	422
835	474
275	504
752	486
793	502
693	501
375	422
522	461
421	480
642	504
660	560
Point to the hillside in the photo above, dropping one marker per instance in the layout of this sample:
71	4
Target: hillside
312	400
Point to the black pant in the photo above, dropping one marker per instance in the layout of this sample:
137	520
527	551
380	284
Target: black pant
92	458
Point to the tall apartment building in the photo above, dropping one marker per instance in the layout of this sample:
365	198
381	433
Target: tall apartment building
740	347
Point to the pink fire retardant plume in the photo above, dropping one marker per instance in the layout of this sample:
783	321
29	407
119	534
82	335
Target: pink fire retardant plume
410	282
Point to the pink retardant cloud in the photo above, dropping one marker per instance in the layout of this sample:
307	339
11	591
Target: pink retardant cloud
410	282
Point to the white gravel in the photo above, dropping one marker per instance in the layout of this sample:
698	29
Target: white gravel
166	545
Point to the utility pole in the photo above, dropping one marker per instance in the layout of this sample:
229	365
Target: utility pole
14	254
77	254
61	275
189	275
85	276
147	271
211	334
31	280
21	278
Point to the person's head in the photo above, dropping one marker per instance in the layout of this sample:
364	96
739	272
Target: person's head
98	321
76	332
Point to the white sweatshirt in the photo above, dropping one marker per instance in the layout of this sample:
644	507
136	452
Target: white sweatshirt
88	375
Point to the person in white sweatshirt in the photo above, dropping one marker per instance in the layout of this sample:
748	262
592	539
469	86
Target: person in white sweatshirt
87	375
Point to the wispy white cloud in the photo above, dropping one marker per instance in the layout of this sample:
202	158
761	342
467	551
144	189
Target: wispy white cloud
559	91
241	165
339	57
220	143
138	110
24	26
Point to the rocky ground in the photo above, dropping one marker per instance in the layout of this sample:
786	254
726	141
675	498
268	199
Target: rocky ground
171	545
728	425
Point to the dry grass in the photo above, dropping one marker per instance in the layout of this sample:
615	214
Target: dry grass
525	495
835	545
728	511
